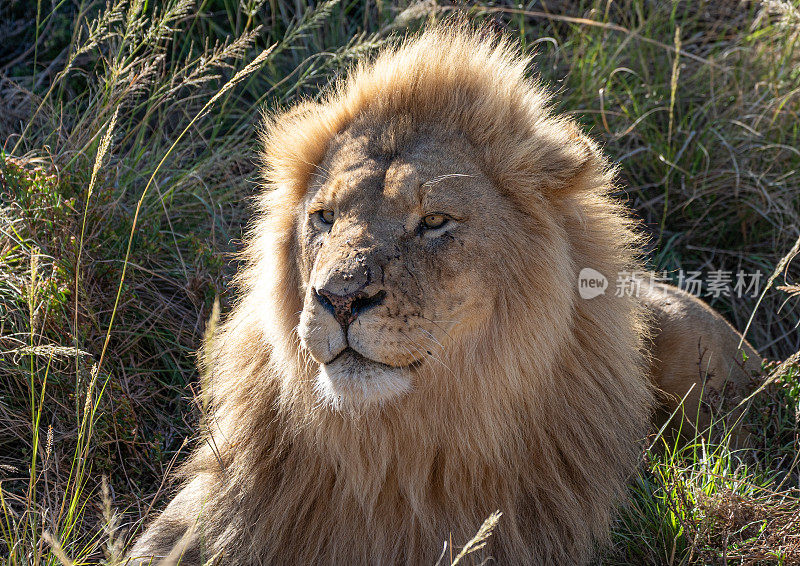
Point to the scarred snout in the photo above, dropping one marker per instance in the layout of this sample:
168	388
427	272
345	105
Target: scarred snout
350	289
342	289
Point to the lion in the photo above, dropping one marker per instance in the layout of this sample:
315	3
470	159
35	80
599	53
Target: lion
410	352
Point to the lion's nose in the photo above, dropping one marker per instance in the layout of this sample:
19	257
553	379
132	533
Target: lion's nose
346	308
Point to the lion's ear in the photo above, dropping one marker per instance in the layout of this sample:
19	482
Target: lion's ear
589	170
293	143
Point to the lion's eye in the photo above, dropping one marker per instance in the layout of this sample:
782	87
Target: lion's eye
433	221
326	216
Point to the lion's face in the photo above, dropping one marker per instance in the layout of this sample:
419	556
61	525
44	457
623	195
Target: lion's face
396	258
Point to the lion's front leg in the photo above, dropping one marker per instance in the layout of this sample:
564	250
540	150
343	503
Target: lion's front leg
177	533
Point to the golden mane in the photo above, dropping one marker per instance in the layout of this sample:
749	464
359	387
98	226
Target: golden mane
544	409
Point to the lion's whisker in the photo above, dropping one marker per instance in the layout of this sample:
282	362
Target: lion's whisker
441	178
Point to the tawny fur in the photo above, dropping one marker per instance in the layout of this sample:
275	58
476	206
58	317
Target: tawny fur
541	408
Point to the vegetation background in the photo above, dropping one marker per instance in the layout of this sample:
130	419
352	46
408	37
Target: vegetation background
128	157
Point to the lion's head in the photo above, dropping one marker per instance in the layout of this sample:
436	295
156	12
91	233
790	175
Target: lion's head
422	206
401	239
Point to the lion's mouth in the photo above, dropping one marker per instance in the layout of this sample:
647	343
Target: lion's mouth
354	358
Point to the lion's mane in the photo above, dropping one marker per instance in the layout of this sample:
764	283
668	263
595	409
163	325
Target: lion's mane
540	418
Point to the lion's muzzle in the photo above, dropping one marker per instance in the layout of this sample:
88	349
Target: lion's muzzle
339	293
345	308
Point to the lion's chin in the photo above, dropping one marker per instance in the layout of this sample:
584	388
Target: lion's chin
352	383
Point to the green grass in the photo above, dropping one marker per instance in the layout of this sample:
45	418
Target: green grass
128	159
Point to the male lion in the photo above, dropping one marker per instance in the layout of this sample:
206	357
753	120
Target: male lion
411	352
